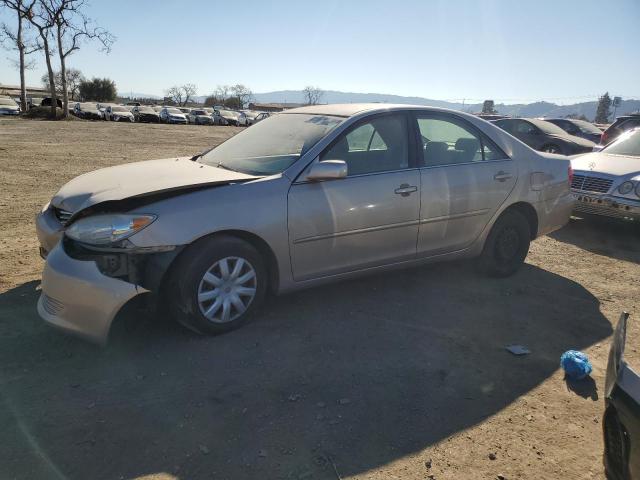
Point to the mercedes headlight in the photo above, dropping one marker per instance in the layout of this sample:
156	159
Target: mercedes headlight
625	188
638	189
107	229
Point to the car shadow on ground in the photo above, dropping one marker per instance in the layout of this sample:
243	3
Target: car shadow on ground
346	377
602	236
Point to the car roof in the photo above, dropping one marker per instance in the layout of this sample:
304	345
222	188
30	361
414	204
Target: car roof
350	109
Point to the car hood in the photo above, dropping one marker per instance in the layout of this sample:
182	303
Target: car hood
121	114
605	163
140	179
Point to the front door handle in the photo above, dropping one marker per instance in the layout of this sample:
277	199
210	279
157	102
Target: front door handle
405	189
502	176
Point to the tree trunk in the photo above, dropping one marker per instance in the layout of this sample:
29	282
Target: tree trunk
63	75
52	82
23	88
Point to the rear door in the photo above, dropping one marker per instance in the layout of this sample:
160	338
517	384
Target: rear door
465	178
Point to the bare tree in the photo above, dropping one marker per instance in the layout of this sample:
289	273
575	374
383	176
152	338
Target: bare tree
242	93
189	90
221	93
74	79
17	40
312	95
181	94
39	19
71	27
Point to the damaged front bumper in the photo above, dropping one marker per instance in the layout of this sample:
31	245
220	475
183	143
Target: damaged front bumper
78	298
83	289
621	424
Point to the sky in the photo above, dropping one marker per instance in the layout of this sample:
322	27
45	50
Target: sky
562	51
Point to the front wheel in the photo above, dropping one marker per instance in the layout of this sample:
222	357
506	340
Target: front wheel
506	246
218	284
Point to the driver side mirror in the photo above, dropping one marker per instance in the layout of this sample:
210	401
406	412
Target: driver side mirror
327	170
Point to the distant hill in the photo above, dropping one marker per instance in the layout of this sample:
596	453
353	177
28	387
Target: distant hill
537	109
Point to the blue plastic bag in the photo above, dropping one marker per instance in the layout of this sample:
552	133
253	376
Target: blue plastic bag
575	364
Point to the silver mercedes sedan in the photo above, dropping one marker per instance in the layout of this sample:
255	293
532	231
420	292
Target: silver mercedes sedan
313	195
607	182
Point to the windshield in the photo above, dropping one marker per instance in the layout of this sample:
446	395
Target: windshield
198	112
145	110
629	144
548	127
271	146
173	110
587	127
88	106
119	109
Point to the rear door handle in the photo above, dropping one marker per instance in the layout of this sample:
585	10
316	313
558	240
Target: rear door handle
502	176
405	189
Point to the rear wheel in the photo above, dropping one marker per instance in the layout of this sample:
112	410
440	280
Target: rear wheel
218	284
507	245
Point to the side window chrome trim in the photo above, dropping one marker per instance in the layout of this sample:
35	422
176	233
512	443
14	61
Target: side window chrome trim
484	162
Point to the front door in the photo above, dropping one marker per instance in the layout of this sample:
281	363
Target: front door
367	219
465	178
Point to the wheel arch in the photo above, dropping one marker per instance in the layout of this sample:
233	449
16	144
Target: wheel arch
529	212
271	262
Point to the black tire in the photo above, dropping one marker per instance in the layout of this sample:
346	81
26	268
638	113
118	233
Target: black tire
506	246
187	276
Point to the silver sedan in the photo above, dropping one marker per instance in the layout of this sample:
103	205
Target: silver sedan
313	195
607	182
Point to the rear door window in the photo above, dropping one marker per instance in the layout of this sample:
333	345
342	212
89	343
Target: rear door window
449	141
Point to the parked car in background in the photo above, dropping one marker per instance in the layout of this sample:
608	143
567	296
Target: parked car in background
184	110
47	101
608	182
622	124
218	119
621	419
172	115
578	128
8	106
102	107
118	113
87	110
145	114
157	108
255	117
545	136
200	117
230	116
311	195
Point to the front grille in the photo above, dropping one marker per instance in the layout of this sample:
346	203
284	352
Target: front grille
586	183
51	305
62	215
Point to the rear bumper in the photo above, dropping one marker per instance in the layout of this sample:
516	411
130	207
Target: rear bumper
78	299
607	206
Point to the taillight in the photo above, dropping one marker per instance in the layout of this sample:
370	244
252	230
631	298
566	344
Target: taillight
570	173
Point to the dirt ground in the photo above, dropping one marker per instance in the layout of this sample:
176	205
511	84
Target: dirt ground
396	376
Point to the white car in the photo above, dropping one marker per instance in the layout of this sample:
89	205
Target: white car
172	115
8	106
607	182
118	113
